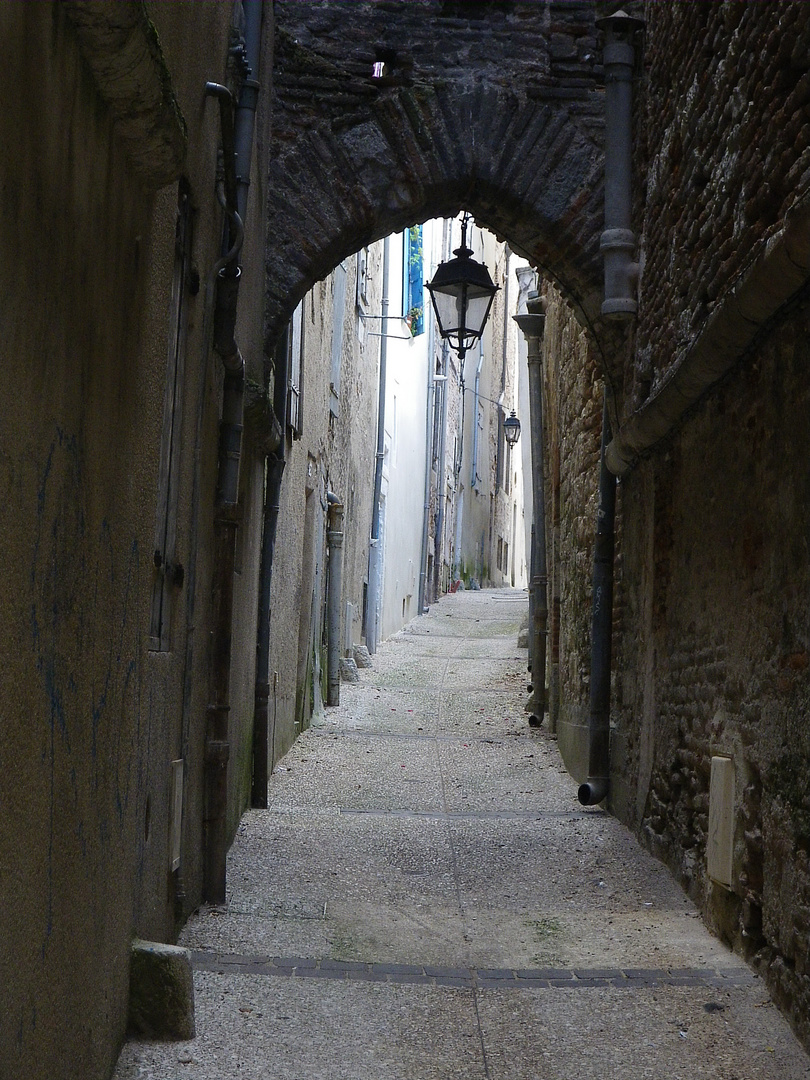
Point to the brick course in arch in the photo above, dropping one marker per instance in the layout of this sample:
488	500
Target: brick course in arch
500	115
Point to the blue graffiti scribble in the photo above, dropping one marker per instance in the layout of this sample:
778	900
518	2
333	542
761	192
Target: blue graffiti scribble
86	652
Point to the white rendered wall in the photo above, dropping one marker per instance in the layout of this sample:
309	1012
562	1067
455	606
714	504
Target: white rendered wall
405	450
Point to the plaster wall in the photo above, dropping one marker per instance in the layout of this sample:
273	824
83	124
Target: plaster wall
508	565
485	512
357	436
405	458
183	667
332	451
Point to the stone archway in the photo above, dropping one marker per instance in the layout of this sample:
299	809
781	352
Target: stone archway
500	115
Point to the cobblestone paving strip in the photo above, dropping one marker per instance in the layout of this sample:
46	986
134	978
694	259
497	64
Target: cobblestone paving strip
470	978
408	736
474	815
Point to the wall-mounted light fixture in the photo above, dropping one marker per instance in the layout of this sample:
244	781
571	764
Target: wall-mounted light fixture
511	424
462	292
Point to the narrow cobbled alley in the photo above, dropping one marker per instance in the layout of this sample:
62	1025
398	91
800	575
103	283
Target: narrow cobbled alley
426	899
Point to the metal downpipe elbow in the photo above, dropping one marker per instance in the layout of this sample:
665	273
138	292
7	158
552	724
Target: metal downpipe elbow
593	791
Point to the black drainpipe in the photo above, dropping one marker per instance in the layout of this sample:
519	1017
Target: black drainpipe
595	789
618	243
237	143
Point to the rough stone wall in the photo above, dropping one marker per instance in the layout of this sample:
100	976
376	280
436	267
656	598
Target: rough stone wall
711	635
494	107
573	424
717	659
723	152
715	632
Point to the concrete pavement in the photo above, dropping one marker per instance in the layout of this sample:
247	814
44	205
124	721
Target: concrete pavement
425	899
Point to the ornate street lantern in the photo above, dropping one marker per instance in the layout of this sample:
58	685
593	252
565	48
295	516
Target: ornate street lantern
462	293
511	429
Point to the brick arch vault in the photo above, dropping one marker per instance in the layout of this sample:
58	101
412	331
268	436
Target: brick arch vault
495	107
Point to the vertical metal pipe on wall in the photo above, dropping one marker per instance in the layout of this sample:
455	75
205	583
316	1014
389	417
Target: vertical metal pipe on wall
527	286
618	245
441	481
245	118
596	787
237	157
375	546
262	742
532	549
459	484
618	241
429	426
476	399
334	537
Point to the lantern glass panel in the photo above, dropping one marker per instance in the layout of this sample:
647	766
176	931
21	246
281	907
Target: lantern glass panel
478	303
448	309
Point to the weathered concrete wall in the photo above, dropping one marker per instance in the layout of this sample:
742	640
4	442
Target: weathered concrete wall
75	561
177	677
92	714
77	549
354	437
